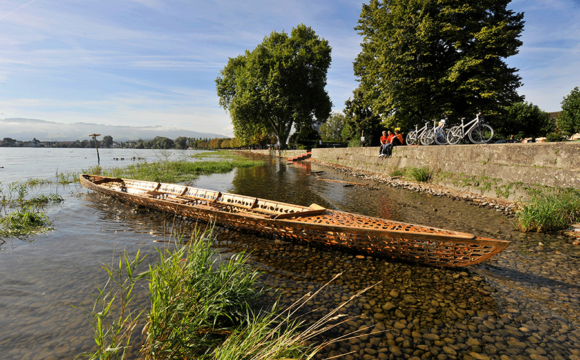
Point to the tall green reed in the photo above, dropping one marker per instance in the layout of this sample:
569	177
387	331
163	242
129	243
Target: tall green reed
551	211
201	306
113	315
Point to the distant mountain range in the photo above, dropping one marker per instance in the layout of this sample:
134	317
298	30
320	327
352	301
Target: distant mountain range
27	129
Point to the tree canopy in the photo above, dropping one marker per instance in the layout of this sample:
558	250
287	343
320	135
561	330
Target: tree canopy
423	59
107	141
277	85
360	118
332	128
523	120
569	118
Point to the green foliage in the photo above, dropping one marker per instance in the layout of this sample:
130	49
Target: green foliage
523	120
569	118
554	137
112	315
354	143
398	172
24	221
360	118
196	299
181	143
174	171
419	174
550	211
333	127
278	84
107	141
428	58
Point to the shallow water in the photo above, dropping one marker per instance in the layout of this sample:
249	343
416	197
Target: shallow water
523	303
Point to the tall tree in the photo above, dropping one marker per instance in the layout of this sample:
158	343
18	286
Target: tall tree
332	128
569	118
423	59
107	141
277	85
361	118
181	142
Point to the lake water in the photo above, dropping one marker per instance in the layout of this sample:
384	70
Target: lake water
524	303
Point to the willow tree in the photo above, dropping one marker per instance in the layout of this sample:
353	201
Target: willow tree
423	59
279	84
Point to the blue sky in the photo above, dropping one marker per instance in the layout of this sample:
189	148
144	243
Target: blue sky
152	62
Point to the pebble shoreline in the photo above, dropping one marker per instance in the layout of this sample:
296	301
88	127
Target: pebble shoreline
507	206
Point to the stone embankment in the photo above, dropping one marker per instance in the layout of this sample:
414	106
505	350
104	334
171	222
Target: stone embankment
503	171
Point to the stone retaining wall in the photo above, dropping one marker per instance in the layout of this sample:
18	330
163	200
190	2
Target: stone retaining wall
511	171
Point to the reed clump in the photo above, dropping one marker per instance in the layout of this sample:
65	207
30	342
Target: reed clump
552	211
21	216
201	306
422	174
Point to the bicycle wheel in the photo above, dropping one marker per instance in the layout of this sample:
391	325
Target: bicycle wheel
440	137
428	137
411	138
454	135
481	134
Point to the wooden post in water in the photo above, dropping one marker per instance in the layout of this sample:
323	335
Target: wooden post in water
97	147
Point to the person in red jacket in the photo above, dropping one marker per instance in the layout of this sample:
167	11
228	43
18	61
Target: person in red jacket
386	143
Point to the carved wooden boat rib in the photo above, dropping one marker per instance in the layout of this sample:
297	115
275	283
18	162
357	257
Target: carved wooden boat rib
379	237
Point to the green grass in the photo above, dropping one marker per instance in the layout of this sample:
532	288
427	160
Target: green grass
422	174
398	172
553	211
24	221
201	306
173	171
215	153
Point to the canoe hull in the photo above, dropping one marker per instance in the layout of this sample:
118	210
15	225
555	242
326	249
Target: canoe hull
431	249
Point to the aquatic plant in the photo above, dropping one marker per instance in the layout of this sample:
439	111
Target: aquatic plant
422	174
112	315
24	221
196	299
201	306
551	211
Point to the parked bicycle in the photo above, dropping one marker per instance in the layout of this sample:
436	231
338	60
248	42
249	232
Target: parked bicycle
477	131
414	136
436	135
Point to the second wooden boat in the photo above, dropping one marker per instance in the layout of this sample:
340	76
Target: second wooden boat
378	237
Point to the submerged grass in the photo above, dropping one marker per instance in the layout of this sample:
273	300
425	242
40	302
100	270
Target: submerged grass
552	211
24	221
201	306
21	216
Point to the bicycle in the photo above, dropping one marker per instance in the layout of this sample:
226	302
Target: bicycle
478	132
438	135
414	136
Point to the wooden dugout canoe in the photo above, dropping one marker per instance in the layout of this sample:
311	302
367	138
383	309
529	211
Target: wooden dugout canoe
378	237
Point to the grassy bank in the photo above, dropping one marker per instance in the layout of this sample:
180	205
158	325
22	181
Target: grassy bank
201	306
550	211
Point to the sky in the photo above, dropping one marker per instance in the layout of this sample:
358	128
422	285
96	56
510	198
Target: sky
154	63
